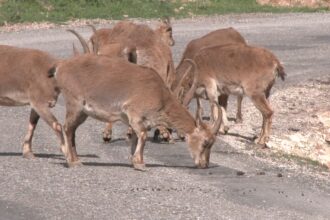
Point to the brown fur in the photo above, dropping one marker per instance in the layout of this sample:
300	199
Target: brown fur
24	81
139	44
242	70
135	95
214	38
151	50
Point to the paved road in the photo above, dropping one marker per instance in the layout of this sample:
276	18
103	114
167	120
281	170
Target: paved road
106	187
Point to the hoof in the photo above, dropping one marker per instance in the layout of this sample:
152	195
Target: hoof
139	166
129	136
28	155
106	139
260	144
76	163
224	130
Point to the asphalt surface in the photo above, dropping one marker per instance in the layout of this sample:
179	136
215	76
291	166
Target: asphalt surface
236	186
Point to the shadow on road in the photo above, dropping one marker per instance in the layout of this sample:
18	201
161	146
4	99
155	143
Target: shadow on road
43	155
241	136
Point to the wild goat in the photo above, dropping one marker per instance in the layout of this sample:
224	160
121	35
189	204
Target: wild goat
119	90
24	81
242	70
215	38
127	29
139	44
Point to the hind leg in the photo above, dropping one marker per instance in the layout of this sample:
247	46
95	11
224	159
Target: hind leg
27	145
72	121
107	132
139	137
44	112
262	104
239	118
223	102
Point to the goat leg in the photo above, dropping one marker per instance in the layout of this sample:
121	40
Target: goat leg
239	118
27	145
262	104
107	132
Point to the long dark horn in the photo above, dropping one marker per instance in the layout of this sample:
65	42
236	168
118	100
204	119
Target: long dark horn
81	39
191	92
178	87
96	43
218	122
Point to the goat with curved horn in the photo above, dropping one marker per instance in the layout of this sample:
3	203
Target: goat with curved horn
82	41
191	92
96	43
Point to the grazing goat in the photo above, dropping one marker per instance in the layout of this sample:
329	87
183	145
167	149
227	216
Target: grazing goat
24	81
214	38
113	89
241	70
138	44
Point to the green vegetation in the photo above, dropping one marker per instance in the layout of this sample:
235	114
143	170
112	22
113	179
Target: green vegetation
18	11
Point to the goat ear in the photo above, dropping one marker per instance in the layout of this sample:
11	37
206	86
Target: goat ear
130	54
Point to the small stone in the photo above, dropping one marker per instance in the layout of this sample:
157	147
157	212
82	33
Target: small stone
295	129
279	175
240	173
261	173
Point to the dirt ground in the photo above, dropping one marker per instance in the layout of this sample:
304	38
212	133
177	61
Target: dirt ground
296	3
301	127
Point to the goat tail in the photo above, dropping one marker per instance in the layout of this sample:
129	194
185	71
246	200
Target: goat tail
52	72
280	71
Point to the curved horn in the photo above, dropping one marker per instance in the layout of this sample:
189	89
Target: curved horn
176	91
96	43
191	92
217	123
81	39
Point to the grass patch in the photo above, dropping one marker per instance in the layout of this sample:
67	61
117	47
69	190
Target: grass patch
18	11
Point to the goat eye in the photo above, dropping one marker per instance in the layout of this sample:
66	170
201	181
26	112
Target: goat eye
169	29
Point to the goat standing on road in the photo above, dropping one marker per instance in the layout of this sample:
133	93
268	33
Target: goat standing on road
239	70
24	81
136	95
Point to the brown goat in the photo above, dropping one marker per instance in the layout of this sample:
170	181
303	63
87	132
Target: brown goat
242	70
24	81
139	44
105	36
215	38
133	94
